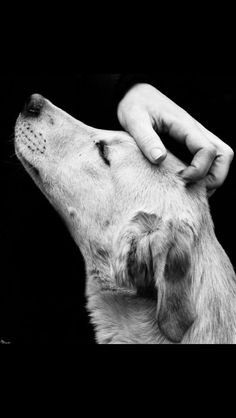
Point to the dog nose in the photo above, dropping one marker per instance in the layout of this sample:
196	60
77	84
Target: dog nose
33	106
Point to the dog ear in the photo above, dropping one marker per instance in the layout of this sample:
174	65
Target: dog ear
175	309
155	258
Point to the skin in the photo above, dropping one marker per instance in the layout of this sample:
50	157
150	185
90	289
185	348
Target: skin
144	111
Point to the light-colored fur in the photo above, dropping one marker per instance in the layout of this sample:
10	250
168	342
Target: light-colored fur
155	270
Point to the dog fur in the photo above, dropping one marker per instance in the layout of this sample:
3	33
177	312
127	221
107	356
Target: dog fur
155	270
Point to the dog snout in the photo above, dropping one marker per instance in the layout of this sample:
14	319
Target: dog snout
33	106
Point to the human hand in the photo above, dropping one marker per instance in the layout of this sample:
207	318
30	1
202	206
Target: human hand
145	110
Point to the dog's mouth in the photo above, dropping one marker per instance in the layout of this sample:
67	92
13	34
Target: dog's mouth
28	166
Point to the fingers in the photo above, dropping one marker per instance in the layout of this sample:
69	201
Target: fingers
139	126
144	107
212	157
200	164
218	171
207	164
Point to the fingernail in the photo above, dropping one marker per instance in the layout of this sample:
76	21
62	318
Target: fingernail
182	174
156	153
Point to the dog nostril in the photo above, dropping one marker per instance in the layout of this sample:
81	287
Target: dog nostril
34	105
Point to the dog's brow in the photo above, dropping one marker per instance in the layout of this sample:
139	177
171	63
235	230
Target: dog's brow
102	148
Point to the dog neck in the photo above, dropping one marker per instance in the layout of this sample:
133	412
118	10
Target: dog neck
121	315
117	313
214	294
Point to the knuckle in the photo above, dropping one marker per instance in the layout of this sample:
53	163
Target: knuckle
130	116
148	142
148	145
120	112
128	111
211	150
135	117
133	110
218	182
200	171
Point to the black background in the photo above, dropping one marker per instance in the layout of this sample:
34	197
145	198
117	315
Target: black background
42	272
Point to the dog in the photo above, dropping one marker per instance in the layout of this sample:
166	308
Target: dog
155	272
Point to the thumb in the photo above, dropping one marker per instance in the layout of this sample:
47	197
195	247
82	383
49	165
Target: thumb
147	139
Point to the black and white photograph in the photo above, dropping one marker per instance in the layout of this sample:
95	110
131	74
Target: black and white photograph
117	215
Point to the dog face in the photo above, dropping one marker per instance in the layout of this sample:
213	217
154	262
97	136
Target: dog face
112	198
98	177
77	167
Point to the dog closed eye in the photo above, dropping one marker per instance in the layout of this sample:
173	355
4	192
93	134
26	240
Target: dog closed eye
103	151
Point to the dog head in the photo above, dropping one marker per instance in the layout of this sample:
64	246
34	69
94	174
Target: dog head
114	200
